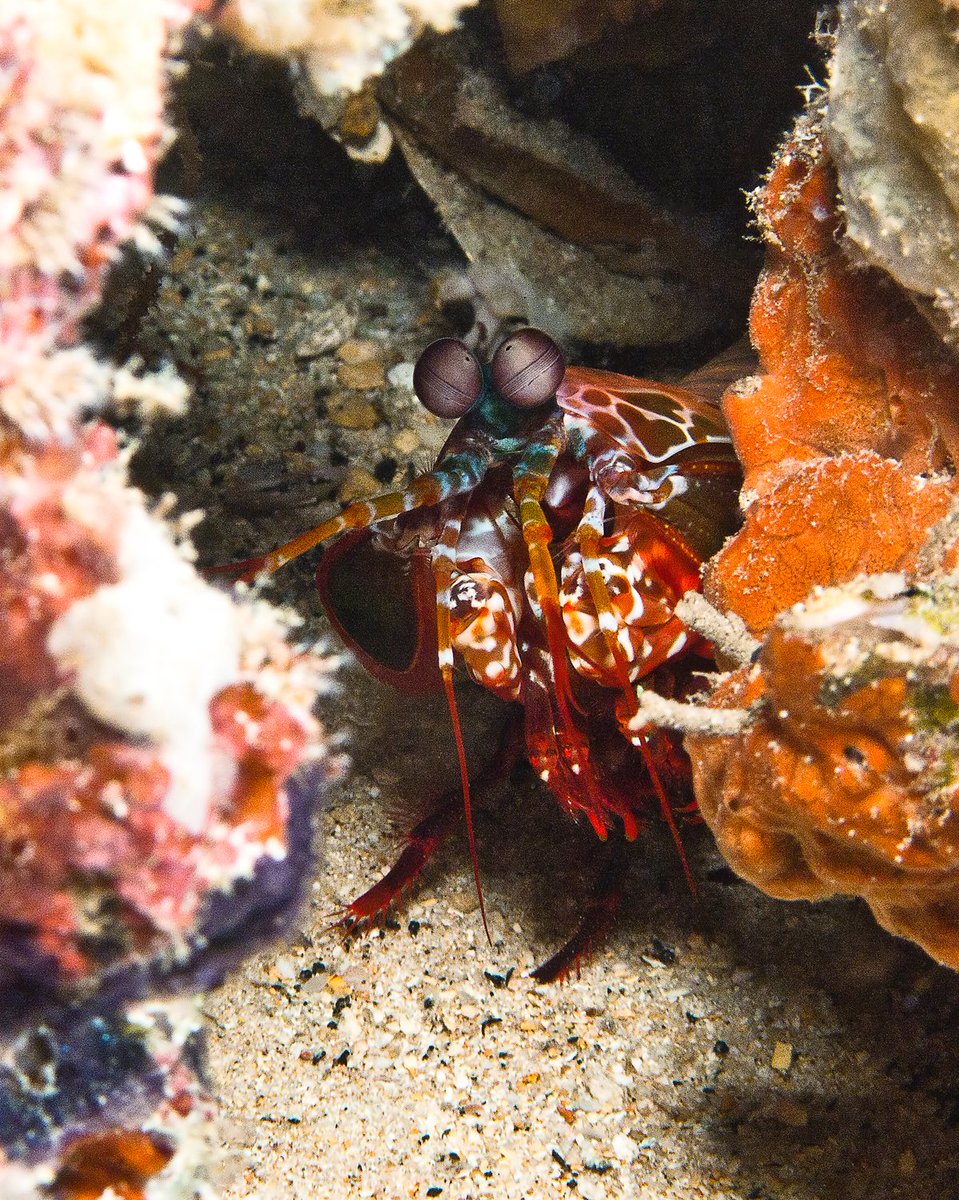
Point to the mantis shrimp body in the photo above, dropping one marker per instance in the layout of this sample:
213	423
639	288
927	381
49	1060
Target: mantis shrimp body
568	512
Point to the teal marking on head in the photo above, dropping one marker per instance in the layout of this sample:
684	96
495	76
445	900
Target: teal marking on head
503	426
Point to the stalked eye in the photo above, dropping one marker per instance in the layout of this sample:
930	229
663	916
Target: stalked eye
447	378
528	368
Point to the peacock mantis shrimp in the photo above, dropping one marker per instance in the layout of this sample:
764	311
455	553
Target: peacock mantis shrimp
567	514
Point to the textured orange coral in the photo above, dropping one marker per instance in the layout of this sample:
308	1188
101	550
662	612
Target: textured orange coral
828	521
104	872
840	777
847	364
842	780
855	410
115	1161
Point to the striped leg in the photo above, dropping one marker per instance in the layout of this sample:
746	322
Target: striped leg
589	534
455	476
444	567
530	479
429	834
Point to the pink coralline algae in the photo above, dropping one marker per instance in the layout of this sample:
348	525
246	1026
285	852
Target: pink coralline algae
160	760
81	128
145	764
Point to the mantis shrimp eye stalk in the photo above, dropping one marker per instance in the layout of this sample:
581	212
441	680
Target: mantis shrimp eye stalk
528	368
447	378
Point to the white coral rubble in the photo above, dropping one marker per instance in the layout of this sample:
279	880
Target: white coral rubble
341	43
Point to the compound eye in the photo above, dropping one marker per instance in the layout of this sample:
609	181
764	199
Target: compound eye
528	368
447	378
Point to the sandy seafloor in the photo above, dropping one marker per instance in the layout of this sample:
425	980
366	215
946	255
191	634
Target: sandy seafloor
721	1046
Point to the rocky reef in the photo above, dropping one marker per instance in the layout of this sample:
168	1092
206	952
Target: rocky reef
893	113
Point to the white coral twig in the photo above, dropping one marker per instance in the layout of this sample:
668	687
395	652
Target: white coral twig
690	718
726	631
